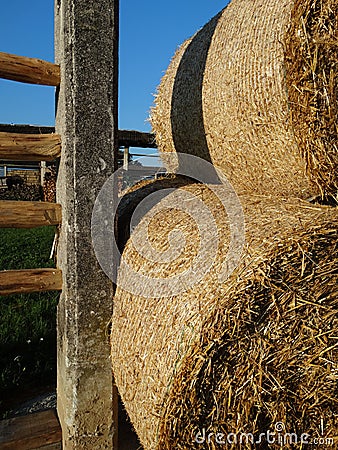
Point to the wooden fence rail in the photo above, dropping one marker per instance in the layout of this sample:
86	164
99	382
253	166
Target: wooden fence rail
126	138
39	430
19	214
29	70
29	147
25	129
132	138
30	280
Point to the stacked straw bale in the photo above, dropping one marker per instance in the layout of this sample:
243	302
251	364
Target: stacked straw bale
240	356
255	92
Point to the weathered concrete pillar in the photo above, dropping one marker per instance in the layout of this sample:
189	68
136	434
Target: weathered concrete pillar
86	34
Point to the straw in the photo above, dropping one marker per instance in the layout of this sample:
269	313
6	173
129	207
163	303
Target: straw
237	356
255	92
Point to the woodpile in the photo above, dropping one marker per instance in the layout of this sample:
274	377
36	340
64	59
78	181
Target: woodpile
49	186
22	192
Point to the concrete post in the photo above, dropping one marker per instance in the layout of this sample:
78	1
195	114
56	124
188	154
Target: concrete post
86	40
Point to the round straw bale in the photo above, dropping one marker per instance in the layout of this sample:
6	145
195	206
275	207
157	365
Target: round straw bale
241	356
255	92
134	195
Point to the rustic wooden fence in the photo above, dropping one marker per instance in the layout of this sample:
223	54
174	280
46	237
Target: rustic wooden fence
15	133
29	147
85	147
43	429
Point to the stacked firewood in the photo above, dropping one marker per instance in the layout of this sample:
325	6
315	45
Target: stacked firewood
49	186
22	192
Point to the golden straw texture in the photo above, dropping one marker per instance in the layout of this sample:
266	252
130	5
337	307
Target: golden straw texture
225	97
312	79
241	355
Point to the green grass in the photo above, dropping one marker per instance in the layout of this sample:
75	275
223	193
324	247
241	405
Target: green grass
25	248
27	321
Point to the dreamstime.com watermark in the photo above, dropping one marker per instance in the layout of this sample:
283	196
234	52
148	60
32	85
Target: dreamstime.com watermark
138	283
279	436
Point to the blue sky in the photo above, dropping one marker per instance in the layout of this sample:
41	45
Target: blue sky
150	32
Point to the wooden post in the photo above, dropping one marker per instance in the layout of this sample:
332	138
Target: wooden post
87	51
126	158
42	172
